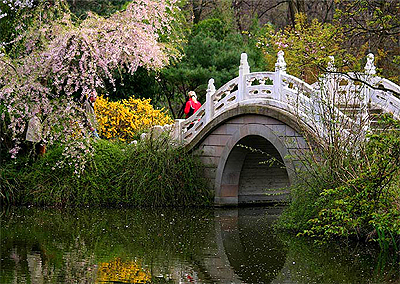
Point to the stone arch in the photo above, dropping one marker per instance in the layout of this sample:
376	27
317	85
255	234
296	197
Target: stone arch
264	110
231	162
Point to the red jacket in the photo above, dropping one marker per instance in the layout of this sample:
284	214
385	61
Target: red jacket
191	107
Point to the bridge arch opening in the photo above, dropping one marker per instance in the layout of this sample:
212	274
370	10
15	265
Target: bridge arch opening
263	176
253	168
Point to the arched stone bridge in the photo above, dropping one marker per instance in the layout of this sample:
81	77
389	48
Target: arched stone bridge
249	131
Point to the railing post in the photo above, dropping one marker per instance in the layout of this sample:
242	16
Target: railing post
177	130
369	71
244	69
209	107
330	83
280	68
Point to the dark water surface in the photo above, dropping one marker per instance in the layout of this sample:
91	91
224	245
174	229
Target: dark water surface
174	246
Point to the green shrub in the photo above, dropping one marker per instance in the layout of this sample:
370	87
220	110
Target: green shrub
365	206
151	173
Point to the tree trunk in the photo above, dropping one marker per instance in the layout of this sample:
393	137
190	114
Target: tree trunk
236	4
197	7
295	7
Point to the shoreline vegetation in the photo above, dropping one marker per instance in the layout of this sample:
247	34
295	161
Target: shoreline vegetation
350	191
149	173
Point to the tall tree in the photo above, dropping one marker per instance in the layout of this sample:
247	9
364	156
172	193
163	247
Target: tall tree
307	47
199	9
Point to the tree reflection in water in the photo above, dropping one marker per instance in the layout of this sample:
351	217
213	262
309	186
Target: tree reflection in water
173	246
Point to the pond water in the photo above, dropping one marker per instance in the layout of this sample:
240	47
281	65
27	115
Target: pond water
174	246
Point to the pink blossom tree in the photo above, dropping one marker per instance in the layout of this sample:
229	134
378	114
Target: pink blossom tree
60	61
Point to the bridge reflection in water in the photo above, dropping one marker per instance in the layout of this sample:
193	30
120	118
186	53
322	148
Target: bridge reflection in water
248	250
161	245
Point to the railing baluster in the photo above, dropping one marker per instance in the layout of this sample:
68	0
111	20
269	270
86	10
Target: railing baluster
244	69
280	68
209	108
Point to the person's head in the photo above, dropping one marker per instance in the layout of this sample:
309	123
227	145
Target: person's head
192	95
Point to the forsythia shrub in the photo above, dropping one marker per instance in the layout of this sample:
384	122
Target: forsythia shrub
125	119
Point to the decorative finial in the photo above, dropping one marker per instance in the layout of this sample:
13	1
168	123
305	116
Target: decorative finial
211	87
331	64
280	64
243	58
370	67
244	67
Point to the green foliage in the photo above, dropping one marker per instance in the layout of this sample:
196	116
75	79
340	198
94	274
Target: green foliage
5	135
212	51
360	198
9	184
211	28
151	173
7	23
307	47
142	83
103	8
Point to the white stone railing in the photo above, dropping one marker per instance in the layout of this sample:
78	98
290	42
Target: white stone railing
292	95
218	101
385	99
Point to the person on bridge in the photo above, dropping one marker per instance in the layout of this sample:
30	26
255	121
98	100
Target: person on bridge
192	105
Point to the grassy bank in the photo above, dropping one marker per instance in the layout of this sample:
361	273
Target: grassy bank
151	173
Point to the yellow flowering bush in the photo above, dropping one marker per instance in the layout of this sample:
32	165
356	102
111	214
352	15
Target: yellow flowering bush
125	119
122	272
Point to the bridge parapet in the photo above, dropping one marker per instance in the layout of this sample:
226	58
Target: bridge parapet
290	94
386	99
216	102
260	85
226	95
362	89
